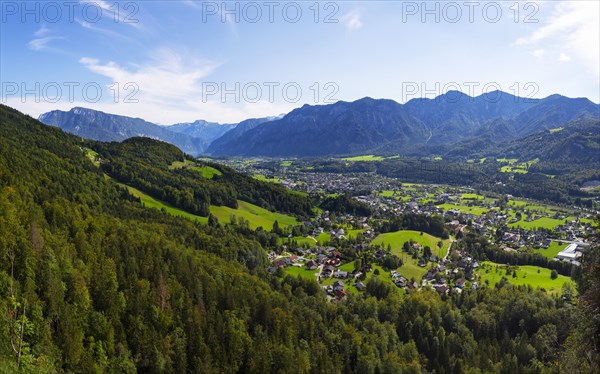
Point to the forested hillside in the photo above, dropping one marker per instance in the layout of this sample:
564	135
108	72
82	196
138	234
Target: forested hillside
147	164
90	281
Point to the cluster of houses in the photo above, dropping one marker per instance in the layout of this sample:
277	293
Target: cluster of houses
448	274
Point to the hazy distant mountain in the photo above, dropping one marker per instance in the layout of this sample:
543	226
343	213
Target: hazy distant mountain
207	131
92	124
340	128
420	126
237	133
453	123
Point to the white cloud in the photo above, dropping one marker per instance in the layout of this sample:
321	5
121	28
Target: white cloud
564	58
572	25
168	78
43	31
42	40
352	20
170	91
121	13
538	53
211	111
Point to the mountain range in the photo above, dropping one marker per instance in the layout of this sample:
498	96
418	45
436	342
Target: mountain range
192	138
450	122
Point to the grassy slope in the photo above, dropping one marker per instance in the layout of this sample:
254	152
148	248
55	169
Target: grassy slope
526	275
255	215
396	239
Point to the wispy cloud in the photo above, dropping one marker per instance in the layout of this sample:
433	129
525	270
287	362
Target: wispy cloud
168	78
193	4
43	38
352	20
572	25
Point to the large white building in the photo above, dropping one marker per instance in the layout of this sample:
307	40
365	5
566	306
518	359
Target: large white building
570	253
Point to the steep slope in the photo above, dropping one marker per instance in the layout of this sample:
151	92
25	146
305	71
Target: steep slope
421	127
91	124
236	133
578	142
340	128
456	116
552	112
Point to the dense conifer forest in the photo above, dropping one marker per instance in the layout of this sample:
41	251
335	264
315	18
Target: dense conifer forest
91	281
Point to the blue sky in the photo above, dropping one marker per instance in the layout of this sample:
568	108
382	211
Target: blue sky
178	61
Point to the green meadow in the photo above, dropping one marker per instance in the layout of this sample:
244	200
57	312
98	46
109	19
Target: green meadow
364	158
477	210
261	177
255	215
472	196
543	222
207	171
534	276
410	268
552	249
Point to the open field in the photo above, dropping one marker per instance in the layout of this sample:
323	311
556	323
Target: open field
92	156
324	237
472	196
396	240
526	275
477	210
261	177
364	158
301	272
513	169
543	222
180	164
552	250
207	171
255	215
300	240
410	269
